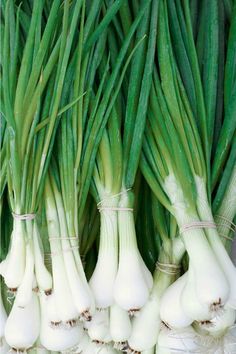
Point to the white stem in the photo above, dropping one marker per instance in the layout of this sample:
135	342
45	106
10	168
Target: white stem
75	249
3	266
215	241
64	300
146	273
227	208
23	324
103	277
80	292
43	276
14	274
24	292
130	290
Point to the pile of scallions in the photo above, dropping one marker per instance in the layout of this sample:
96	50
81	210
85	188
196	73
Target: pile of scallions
118	176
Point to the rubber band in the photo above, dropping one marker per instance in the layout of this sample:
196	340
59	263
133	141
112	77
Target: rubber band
197	225
227	237
23	216
47	260
205	224
113	196
62	251
52	238
226	226
231	225
170	269
114	208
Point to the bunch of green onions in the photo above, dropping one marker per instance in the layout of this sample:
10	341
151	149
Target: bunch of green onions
118	178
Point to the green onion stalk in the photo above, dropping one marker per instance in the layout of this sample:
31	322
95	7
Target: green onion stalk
223	171
148	245
226	212
170	253
89	233
3	161
173	164
106	189
33	80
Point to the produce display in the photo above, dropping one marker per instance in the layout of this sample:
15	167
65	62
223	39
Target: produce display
118	176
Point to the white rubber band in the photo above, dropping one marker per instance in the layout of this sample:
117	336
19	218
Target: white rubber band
168	268
226	237
62	251
23	216
114	208
51	238
113	196
229	224
197	225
